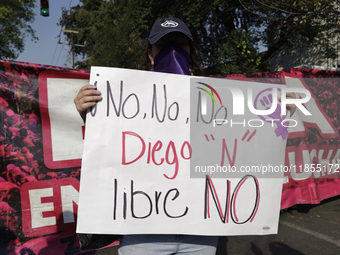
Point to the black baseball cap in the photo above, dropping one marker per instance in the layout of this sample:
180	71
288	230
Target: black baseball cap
165	26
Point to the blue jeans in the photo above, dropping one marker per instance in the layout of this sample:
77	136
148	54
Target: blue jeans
167	244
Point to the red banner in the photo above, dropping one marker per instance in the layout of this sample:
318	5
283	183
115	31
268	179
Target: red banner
40	151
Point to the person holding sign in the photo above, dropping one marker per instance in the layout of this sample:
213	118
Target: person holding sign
170	50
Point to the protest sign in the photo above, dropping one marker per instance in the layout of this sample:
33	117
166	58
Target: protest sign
136	172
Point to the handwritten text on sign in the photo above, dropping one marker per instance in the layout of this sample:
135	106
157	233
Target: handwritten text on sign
139	154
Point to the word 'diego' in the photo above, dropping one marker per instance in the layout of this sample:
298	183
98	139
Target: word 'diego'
153	153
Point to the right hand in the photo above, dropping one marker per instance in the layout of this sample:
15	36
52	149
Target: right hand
86	98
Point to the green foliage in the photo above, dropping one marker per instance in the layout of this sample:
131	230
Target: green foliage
238	55
110	35
14	16
226	32
305	24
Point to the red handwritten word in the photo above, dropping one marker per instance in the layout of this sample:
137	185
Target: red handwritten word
230	204
225	149
151	155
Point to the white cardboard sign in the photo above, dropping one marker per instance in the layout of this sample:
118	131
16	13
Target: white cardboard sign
137	169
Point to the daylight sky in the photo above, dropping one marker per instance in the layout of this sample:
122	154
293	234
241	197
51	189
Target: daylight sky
47	50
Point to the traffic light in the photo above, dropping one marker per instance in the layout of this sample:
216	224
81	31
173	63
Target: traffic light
44	8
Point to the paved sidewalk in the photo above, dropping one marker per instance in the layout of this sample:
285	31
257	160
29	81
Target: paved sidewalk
314	230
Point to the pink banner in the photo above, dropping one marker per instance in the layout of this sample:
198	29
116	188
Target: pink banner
40	171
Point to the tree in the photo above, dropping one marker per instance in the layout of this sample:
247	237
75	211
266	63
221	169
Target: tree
14	16
303	25
110	39
227	32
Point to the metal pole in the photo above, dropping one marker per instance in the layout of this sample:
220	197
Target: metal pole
72	43
72	51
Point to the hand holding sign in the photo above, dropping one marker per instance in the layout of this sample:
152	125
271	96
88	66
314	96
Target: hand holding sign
86	98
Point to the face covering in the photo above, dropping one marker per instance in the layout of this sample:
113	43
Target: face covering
172	59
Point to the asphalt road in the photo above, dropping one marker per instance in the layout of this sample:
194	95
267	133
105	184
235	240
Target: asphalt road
311	229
